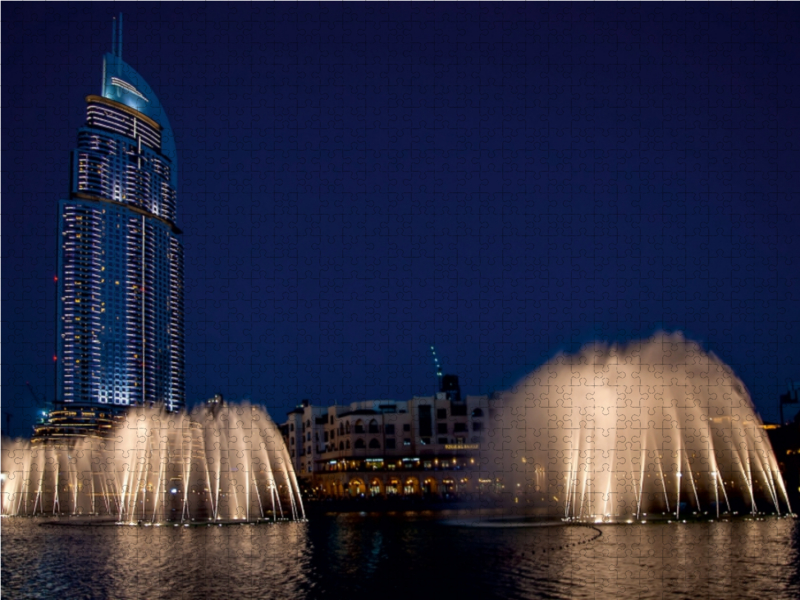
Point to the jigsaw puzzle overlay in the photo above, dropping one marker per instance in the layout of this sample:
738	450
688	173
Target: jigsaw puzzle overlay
480	300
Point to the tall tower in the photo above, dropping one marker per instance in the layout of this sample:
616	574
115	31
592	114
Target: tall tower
120	332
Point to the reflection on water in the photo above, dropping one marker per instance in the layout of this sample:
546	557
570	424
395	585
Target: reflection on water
419	555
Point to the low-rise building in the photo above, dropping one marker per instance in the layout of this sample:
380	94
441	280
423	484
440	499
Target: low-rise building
429	445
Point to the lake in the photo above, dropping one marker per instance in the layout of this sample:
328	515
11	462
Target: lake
403	555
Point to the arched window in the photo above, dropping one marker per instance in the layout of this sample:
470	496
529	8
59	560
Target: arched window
341	428
347	445
359	444
375	487
341	445
359	426
374	443
477	412
373	426
347	427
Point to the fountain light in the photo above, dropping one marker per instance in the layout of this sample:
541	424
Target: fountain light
633	420
234	453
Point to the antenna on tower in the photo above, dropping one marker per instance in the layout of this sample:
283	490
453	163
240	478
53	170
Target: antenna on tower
438	370
119	41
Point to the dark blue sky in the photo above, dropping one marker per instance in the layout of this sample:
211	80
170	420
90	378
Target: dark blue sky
358	181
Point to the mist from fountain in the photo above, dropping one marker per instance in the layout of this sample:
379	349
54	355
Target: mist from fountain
656	427
219	463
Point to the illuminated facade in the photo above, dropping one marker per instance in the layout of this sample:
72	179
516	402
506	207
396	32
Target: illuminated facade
120	338
426	446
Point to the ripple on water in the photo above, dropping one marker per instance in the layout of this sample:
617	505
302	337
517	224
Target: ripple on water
397	557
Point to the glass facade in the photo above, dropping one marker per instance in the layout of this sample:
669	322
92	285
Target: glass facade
120	338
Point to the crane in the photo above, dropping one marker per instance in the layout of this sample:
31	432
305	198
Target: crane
39	403
438	369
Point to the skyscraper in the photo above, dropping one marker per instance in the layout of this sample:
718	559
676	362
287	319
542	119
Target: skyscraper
120	332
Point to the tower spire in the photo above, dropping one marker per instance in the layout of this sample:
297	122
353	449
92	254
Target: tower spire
119	41
114	35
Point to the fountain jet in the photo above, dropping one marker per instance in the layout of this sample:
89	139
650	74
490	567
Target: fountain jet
216	464
657	426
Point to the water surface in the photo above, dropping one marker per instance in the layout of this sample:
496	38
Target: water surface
411	555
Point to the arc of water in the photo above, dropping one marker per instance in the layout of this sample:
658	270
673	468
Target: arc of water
716	492
144	470
764	453
21	494
73	477
774	472
641	487
743	462
754	508
258	495
232	487
292	475
678	492
779	477
41	485
569	487
282	459
611	475
211	498
104	487
691	479
712	456
575	493
94	502
724	493
216	506
187	467
124	489
158	487
270	478
133	495
766	474
293	482
663	481
585	483
248	476
57	497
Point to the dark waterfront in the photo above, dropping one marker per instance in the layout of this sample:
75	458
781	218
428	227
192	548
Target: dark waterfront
412	555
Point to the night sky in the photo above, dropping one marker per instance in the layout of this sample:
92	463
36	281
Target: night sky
359	181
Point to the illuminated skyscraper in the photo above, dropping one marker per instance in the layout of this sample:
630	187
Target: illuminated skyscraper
120	332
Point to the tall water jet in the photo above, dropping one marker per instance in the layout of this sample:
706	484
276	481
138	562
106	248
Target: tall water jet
617	432
222	462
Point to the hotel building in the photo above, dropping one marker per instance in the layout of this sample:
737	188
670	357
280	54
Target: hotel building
120	322
428	445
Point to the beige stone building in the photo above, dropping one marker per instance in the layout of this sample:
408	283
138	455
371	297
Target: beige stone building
426	446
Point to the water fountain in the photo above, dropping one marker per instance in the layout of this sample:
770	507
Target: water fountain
657	427
221	463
